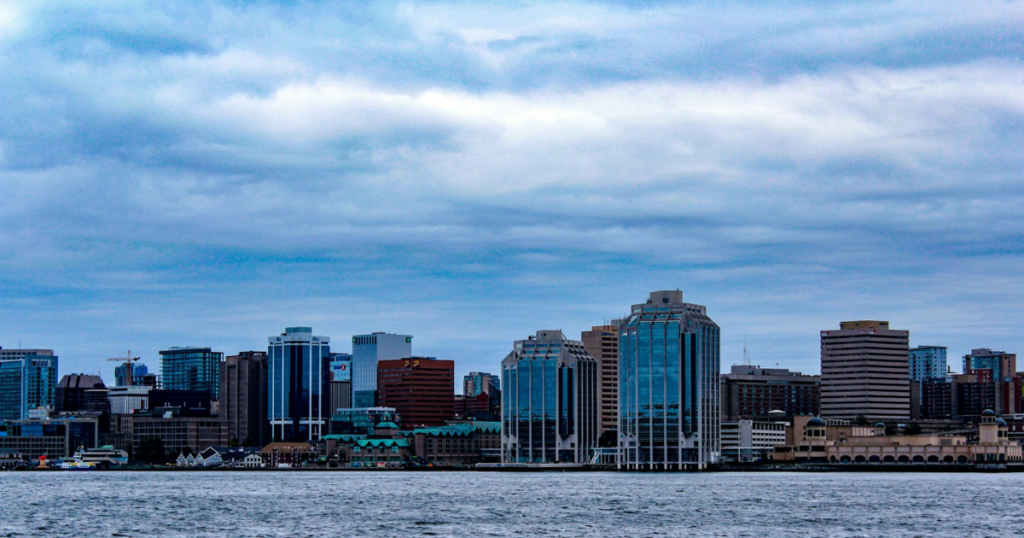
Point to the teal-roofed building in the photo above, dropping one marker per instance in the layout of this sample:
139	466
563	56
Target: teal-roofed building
461	444
395	452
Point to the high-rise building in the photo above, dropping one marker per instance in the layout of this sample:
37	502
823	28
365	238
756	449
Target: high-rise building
752	392
341	381
476	382
927	362
1002	364
932	399
865	372
243	397
191	368
121	374
602	343
28	380
367	351
298	376
81	392
420	389
549	408
669	402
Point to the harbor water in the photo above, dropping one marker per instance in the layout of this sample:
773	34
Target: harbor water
473	504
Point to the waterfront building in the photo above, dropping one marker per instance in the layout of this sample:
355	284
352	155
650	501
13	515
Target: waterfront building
549	410
28	380
810	440
277	455
421	389
176	432
129	374
191	368
865	372
298	378
51	437
81	392
927	362
602	343
243	397
367	351
669	401
754	392
341	381
751	440
460	444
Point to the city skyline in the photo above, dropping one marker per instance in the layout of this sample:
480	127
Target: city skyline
469	173
810	367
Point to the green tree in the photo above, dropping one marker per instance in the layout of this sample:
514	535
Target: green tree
233	441
248	441
151	450
912	429
861	420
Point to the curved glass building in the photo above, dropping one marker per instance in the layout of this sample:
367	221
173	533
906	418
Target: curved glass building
669	364
549	411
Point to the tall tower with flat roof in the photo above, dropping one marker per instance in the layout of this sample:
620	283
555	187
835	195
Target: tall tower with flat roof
865	371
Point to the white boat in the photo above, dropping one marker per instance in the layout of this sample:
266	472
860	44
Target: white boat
77	465
104	454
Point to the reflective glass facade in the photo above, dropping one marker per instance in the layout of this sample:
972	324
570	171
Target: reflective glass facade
299	379
550	403
367	351
190	368
27	383
669	407
121	374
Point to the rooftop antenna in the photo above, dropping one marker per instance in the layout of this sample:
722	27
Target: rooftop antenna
746	354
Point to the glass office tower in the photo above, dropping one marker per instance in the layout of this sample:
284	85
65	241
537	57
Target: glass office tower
367	351
190	368
669	364
549	411
299	384
28	380
137	372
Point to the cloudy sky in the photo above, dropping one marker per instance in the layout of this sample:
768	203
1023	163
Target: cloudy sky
208	173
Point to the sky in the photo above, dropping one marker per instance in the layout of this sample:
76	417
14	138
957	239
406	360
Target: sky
208	173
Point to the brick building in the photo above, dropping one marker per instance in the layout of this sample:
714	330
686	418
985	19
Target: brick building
420	389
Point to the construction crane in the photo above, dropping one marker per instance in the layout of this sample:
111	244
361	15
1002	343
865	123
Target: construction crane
128	360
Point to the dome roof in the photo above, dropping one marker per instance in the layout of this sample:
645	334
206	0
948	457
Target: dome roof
816	422
1001	422
880	425
988	413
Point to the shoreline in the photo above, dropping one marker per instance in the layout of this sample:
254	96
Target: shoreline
728	468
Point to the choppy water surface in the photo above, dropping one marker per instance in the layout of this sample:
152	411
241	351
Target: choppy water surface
502	504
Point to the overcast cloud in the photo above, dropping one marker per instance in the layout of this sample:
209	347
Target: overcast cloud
469	173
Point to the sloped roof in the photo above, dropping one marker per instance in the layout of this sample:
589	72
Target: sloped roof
387	426
375	443
344	437
461	429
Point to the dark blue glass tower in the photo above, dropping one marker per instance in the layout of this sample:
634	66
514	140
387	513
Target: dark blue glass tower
299	378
